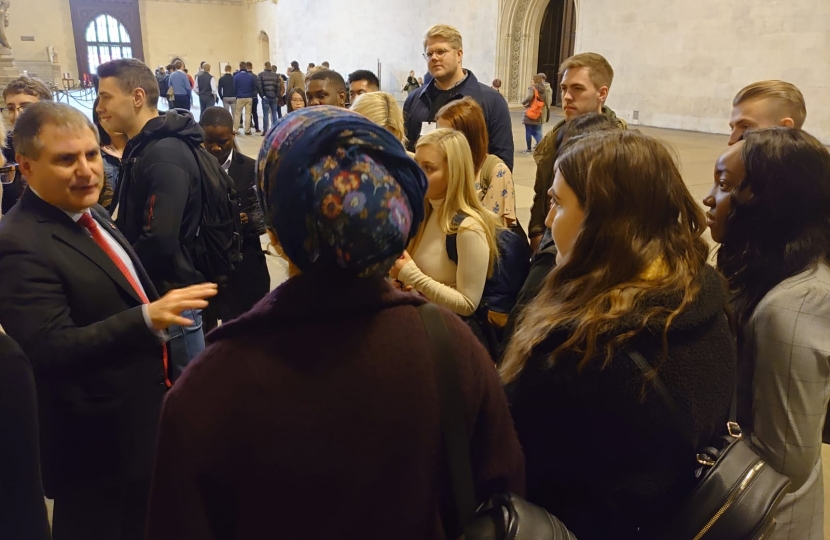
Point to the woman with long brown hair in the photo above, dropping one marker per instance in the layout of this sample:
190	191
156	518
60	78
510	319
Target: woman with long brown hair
603	451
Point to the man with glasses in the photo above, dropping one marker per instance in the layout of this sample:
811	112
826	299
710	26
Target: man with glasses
443	51
19	94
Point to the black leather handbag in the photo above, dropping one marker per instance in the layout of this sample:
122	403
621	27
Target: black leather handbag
504	516
737	492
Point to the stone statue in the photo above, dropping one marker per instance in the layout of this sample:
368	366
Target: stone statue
4	13
54	56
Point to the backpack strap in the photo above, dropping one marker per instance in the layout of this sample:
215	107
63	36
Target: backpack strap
452	239
487	167
451	408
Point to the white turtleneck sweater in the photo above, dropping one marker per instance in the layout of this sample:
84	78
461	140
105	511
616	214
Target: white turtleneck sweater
433	274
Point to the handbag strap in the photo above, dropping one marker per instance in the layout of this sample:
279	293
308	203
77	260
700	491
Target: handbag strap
451	408
666	396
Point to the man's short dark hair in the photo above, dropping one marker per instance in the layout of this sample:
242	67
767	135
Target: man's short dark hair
364	75
249	65
31	86
179	64
330	76
267	65
243	65
311	64
216	117
132	74
170	67
326	65
228	68
31	122
295	64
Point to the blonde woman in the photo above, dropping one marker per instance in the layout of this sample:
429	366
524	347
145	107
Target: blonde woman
382	108
445	157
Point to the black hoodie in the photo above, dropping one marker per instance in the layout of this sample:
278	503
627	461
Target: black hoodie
159	199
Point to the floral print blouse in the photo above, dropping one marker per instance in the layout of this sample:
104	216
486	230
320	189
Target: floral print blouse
500	195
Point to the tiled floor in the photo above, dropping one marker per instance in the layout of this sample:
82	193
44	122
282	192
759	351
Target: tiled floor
696	154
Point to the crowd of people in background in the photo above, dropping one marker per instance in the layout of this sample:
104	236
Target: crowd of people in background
126	239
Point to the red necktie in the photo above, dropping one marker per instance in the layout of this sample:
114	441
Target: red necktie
90	224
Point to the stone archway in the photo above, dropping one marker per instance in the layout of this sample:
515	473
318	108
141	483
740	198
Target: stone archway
520	22
264	47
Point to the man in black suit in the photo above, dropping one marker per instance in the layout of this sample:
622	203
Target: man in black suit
250	280
77	300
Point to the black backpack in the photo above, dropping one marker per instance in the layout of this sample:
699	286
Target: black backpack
217	248
502	288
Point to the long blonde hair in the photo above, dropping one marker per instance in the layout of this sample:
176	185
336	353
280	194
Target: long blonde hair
461	192
638	214
382	108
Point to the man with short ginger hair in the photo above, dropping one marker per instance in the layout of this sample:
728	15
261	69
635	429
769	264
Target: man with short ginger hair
444	52
766	104
585	81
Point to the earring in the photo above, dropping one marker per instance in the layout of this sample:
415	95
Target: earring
278	251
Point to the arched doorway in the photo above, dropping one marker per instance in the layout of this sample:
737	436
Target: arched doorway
264	47
106	39
556	40
520	29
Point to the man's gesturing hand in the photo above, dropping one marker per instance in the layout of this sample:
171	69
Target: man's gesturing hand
165	311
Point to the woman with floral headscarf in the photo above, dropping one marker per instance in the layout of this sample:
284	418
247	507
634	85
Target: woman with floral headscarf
315	415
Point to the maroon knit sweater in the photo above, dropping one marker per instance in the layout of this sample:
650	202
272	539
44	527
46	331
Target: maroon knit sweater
315	415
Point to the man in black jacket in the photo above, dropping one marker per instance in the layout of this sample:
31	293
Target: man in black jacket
227	90
19	94
78	301
444	51
250	280
271	87
159	198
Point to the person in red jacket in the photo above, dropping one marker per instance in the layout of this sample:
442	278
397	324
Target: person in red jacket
318	410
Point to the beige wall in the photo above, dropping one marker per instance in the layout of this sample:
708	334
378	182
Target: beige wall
50	23
680	63
354	35
208	32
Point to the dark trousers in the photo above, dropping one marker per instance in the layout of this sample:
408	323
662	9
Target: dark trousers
206	101
109	513
254	113
181	101
248	284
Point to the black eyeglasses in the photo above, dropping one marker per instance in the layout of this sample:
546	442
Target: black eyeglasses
8	173
11	109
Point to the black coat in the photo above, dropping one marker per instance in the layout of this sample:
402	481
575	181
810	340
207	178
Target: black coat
416	110
243	173
22	508
600	458
160	199
98	367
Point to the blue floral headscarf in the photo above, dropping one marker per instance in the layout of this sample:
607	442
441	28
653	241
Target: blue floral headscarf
340	191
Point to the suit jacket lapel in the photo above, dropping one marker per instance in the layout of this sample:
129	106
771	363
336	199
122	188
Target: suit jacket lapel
73	235
103	219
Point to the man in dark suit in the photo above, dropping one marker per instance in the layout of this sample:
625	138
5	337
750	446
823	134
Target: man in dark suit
250	280
77	300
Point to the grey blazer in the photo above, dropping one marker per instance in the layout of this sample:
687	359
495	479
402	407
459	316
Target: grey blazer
786	382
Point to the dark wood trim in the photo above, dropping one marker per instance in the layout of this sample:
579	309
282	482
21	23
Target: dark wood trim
85	11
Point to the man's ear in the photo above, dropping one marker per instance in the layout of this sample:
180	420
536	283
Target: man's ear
603	94
139	98
342	94
787	122
24	165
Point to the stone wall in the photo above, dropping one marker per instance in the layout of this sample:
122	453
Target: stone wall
50	24
206	32
680	63
355	34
